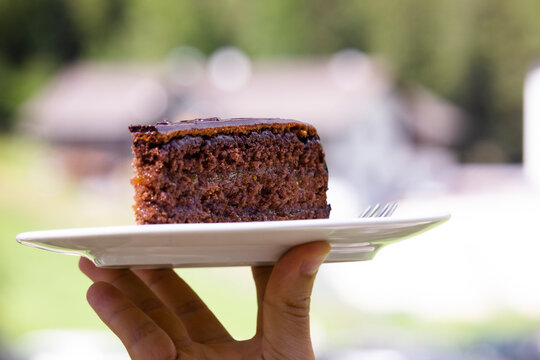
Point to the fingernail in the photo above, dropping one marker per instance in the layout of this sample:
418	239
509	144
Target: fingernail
311	266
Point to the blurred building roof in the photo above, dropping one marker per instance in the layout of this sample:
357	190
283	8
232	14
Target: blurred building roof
307	90
89	103
95	102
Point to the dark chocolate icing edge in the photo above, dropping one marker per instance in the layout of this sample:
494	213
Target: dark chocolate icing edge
165	127
163	132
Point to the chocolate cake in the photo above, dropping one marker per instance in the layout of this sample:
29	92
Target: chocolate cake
228	170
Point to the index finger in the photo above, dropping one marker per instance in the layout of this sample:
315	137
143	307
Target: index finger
141	296
142	338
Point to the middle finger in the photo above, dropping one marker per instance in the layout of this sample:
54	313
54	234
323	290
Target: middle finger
201	323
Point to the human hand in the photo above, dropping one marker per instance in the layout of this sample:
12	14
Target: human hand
158	316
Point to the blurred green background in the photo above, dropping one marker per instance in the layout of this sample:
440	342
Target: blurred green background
473	53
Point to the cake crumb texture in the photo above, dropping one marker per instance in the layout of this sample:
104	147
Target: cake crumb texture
250	176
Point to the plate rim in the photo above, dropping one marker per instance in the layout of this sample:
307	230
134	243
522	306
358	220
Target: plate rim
89	232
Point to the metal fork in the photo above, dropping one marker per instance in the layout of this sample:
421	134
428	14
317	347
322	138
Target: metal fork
378	211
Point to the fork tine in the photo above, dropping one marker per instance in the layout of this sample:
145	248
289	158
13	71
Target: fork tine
377	211
364	214
384	210
374	211
392	209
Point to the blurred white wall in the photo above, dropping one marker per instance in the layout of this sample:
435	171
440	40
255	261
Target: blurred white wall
531	134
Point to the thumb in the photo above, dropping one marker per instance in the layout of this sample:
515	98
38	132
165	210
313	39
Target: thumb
287	301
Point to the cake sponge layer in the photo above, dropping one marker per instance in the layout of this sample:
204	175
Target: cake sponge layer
261	174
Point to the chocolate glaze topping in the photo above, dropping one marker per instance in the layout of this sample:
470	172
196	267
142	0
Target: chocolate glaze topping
163	132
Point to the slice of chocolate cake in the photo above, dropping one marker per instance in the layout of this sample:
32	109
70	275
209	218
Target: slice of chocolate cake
228	170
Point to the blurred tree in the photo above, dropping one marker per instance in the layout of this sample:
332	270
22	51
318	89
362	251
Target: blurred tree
28	28
96	20
37	36
31	32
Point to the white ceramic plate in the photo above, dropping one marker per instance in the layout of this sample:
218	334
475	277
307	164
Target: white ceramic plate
226	244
